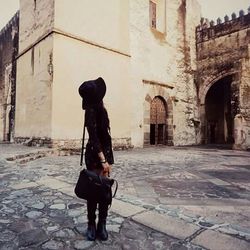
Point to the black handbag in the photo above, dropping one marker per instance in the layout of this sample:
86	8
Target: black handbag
94	187
91	186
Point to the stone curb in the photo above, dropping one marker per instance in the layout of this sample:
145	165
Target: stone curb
217	241
166	224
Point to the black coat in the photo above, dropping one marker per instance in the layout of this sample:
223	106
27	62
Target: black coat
99	141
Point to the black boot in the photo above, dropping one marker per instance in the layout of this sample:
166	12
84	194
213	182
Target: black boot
101	230
101	226
91	231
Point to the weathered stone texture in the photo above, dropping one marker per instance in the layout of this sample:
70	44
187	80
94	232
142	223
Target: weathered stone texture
162	64
34	91
37	20
222	55
8	53
136	60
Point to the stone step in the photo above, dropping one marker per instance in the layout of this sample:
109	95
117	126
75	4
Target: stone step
27	157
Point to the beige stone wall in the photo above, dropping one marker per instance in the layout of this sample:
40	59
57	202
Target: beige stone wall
34	70
114	40
75	62
34	92
166	58
89	44
36	20
102	22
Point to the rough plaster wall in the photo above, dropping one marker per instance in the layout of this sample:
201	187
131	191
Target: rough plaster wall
245	101
80	62
8	52
103	22
37	19
34	92
161	57
84	50
34	65
185	111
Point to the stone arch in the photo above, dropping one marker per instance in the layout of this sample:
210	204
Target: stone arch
210	81
160	92
210	84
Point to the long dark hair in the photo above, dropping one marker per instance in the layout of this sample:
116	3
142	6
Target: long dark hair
102	116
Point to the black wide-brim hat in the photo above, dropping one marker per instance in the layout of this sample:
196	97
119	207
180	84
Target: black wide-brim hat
92	92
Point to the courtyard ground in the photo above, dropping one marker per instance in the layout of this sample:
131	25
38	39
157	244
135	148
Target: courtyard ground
168	198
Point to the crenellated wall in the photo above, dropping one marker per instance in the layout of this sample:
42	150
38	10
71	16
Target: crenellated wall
210	30
223	52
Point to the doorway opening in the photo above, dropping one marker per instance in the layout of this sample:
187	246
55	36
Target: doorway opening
218	109
158	121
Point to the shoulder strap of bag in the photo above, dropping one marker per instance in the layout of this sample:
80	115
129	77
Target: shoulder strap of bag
115	181
114	193
83	138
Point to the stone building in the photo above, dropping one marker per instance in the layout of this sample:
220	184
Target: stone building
8	53
222	80
153	58
145	51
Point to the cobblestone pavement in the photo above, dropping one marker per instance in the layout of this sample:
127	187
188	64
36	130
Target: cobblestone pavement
168	198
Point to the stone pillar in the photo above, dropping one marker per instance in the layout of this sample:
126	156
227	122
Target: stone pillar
244	101
203	131
240	132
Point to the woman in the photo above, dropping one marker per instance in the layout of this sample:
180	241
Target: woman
98	154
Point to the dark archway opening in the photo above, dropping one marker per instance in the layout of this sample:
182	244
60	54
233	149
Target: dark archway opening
158	121
219	118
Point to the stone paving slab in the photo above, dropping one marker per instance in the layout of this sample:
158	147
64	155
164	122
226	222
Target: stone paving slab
166	224
217	241
219	182
125	209
204	202
53	183
25	185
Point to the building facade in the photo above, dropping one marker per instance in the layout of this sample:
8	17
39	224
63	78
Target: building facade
150	53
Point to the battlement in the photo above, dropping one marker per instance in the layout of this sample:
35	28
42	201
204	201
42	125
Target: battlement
11	23
208	29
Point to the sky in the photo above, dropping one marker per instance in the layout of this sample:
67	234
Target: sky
211	9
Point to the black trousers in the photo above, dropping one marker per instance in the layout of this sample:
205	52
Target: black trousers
103	211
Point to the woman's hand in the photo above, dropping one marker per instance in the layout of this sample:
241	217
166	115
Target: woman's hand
106	169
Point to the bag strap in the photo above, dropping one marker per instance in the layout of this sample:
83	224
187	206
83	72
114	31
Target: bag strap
115	188
114	193
83	138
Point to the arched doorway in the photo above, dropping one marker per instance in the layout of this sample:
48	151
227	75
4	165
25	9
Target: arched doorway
158	120
218	112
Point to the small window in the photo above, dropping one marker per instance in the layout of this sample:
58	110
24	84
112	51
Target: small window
152	14
157	15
